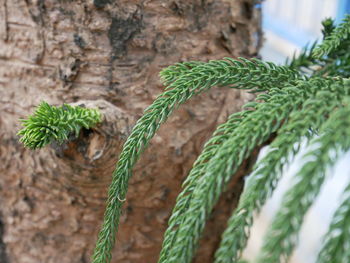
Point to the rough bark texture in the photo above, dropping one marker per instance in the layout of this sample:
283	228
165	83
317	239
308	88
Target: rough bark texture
107	54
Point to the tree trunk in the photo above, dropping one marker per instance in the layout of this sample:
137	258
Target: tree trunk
107	54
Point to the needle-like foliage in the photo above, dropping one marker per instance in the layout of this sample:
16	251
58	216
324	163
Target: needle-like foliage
192	81
337	240
253	130
50	123
220	135
308	99
333	40
283	234
335	63
267	172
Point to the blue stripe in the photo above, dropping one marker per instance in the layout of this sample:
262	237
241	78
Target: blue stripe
343	9
290	32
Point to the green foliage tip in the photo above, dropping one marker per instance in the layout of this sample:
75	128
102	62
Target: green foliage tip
334	39
50	123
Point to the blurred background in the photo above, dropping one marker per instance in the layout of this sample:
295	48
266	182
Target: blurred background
290	25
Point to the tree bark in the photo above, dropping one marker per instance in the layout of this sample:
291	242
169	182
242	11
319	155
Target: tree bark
107	54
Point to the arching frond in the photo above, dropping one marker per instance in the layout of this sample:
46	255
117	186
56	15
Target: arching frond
267	172
184	198
252	131
242	73
222	133
199	78
282	236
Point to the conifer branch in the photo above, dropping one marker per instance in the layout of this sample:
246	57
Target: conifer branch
282	236
332	41
328	26
305	60
180	70
178	92
183	199
171	73
50	123
335	63
222	133
241	74
337	240
267	172
219	136
252	131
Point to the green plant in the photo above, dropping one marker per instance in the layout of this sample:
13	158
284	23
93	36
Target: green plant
50	123
309	98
